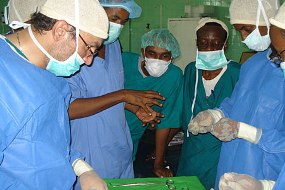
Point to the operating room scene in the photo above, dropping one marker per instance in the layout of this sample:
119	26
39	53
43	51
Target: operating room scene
142	95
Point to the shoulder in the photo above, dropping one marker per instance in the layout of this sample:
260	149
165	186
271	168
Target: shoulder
234	66
174	70
190	68
129	56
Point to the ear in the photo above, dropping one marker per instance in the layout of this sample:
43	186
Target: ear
60	30
226	46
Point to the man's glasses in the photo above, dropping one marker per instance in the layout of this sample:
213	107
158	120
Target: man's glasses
92	53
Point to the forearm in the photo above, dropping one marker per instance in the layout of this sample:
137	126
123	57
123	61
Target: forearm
160	146
172	133
84	107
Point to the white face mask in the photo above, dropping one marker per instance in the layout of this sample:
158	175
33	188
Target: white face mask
156	67
114	32
254	40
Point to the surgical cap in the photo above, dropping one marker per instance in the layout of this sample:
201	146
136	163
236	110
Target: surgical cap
161	38
279	19
92	16
129	5
21	10
245	11
206	20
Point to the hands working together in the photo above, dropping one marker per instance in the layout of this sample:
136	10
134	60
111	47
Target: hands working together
223	128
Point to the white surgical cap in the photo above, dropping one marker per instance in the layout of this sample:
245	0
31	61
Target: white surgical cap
21	10
206	20
92	16
129	5
245	11
279	19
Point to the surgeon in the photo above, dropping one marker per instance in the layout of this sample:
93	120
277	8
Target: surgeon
207	82
104	138
154	70
35	139
231	181
252	120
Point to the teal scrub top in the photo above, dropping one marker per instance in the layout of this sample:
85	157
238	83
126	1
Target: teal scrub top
200	153
169	85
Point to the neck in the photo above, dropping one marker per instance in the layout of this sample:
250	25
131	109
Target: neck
22	40
209	75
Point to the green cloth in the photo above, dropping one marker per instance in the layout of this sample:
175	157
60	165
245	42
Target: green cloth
200	153
190	182
169	85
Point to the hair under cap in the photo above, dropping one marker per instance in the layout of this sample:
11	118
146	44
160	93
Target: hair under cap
129	5
202	22
279	19
92	16
21	10
245	11
161	38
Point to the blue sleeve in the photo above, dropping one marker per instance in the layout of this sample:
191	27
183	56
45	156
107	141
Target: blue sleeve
9	128
272	141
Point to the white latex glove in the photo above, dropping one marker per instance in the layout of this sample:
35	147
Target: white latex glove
91	181
203	121
234	181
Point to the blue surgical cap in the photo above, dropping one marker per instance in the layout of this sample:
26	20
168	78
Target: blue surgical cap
129	5
161	38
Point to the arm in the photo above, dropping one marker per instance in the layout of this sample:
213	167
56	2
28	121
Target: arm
83	107
161	137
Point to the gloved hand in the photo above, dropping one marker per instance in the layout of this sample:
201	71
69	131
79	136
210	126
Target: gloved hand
234	181
91	181
204	120
225	129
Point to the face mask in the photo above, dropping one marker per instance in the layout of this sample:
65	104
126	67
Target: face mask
156	67
60	68
254	40
211	60
114	32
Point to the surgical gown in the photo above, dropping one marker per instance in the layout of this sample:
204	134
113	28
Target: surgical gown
168	85
200	153
104	138
259	100
34	125
280	183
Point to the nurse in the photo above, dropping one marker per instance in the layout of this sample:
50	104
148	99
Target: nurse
99	128
207	82
231	181
252	121
155	70
35	133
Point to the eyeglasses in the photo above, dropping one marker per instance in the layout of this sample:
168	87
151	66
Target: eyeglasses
92	53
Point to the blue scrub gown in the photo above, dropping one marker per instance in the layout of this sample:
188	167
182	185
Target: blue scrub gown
34	125
104	138
259	100
280	183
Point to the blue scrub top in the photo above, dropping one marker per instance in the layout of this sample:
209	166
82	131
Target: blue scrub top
34	125
104	138
259	100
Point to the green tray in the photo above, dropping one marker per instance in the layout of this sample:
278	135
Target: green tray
180	183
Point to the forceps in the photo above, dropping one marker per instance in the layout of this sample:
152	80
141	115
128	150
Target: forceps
169	183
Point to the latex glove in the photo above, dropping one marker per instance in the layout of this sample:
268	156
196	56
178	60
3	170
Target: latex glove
204	120
234	181
91	181
227	130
